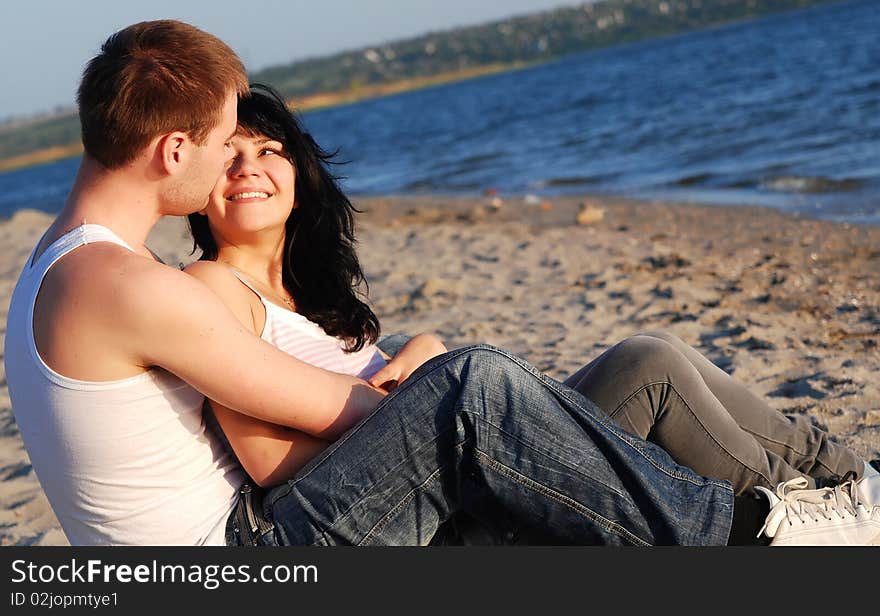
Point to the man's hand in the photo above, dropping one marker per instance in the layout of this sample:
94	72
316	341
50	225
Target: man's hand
414	353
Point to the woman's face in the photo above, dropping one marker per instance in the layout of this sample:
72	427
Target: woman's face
256	193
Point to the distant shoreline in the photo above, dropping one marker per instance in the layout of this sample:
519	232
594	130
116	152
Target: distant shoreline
326	100
39	157
311	102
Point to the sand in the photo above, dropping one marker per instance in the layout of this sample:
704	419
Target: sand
788	305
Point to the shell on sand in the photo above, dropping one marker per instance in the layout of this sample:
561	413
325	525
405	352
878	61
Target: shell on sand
589	214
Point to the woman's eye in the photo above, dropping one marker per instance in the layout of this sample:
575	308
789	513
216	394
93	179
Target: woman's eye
266	151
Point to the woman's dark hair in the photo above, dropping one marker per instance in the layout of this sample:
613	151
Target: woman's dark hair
321	269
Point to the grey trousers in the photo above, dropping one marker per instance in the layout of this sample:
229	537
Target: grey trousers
662	390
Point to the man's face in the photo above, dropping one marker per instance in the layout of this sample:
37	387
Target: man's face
209	162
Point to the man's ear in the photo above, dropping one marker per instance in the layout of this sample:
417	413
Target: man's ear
173	151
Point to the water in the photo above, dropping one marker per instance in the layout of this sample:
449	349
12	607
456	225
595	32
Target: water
783	112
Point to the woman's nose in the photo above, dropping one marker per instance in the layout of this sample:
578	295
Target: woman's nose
243	166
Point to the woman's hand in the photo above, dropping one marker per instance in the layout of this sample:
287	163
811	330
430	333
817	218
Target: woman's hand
414	353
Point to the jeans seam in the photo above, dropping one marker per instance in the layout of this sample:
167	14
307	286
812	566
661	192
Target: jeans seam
306	504
373	484
482	419
392	513
580	508
715	441
815	458
635	393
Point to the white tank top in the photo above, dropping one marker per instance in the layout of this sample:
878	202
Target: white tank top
307	341
122	462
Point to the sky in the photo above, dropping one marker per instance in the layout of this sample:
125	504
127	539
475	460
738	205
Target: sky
46	43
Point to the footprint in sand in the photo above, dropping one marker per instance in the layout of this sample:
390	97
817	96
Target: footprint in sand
799	388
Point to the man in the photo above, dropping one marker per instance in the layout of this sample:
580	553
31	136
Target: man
107	350
118	446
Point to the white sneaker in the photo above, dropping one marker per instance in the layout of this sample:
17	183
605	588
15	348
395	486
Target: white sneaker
826	516
869	486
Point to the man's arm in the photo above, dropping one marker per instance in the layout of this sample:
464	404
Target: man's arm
169	319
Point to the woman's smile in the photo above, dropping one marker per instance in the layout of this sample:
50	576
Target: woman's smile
248	196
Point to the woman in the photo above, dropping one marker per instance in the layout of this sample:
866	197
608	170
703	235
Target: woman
290	273
277	241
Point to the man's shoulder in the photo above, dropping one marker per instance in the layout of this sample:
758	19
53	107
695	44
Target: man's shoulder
100	308
107	266
118	281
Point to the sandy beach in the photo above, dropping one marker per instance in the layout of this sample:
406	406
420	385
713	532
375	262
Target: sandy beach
788	305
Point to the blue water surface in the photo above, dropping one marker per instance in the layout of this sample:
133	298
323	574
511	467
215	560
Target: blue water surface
782	111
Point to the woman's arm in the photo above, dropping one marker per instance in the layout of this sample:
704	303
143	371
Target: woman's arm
413	354
271	454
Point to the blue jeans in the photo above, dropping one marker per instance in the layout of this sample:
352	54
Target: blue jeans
479	431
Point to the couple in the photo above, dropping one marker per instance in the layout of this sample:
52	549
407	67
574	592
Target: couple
110	354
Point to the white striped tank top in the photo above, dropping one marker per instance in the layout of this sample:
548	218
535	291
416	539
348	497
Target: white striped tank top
307	341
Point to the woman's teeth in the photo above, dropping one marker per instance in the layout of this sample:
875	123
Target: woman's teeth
248	195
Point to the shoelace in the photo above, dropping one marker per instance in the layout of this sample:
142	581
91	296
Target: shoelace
846	494
842	500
